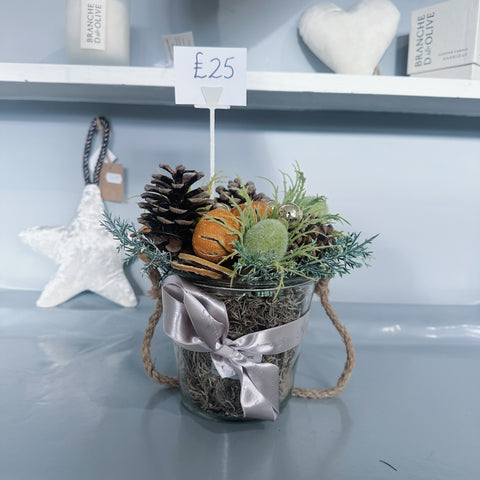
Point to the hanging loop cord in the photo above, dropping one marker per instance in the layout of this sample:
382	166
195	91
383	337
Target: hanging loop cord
321	289
101	125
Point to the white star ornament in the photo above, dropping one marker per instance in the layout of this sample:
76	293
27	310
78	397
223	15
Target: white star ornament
86	255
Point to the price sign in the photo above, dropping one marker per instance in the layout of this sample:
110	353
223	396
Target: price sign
198	67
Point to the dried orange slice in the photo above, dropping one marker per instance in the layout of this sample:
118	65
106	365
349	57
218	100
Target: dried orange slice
198	261
197	270
214	235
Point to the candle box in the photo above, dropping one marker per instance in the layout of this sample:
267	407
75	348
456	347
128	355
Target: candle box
444	40
98	32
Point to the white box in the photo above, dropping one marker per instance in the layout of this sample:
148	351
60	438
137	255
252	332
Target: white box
444	40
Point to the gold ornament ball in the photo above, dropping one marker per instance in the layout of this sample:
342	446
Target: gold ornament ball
291	213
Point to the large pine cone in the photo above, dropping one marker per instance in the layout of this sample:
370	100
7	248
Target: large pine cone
231	196
173	208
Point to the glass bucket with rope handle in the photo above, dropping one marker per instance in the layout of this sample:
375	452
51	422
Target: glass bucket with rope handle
250	309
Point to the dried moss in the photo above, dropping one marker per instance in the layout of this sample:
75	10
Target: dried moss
248	312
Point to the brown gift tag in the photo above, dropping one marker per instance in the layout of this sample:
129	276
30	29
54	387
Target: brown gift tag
111	182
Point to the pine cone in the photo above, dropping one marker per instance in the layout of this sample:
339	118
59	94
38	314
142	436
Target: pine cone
232	197
173	208
319	233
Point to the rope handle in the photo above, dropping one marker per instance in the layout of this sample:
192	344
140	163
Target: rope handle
321	289
102	125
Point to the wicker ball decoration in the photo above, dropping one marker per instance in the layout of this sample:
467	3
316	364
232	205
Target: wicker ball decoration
214	235
268	235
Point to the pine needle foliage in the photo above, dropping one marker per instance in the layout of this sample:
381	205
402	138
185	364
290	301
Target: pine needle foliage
345	255
339	259
136	245
294	189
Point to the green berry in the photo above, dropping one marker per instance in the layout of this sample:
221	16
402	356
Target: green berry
265	236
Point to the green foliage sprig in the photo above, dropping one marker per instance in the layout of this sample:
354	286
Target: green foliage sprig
136	245
345	255
339	259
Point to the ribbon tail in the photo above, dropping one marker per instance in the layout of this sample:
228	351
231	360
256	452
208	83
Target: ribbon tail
259	391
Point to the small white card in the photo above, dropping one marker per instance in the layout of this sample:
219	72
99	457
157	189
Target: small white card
93	20
113	177
197	67
184	39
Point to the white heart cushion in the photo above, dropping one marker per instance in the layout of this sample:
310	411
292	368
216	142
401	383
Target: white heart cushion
350	41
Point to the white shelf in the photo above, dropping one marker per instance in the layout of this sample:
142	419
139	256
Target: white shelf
266	90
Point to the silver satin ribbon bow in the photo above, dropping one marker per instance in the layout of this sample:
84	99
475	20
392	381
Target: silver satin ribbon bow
199	322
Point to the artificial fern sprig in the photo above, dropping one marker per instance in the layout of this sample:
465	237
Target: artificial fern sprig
337	259
294	190
136	245
341	258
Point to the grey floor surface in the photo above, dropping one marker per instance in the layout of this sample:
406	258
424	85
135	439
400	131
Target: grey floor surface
75	402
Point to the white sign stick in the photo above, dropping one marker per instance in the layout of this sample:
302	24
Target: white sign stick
205	74
212	96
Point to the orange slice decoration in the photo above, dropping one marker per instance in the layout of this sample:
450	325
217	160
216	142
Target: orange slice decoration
214	235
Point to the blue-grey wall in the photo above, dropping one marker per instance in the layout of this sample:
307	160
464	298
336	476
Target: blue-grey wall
413	179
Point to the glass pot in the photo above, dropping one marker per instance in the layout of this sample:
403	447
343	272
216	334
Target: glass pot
250	309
